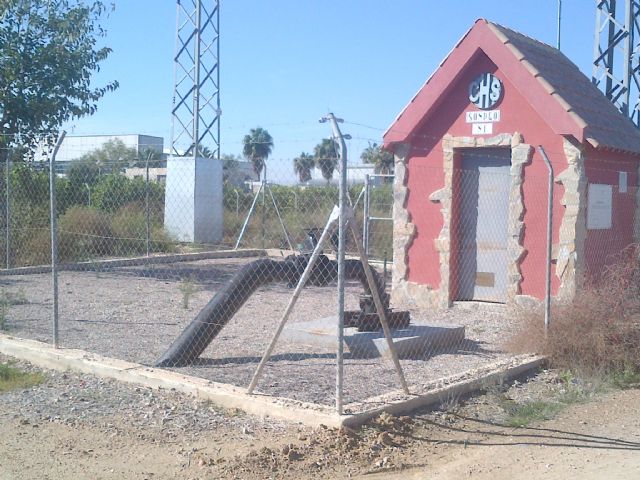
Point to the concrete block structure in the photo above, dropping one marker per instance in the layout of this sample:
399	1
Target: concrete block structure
470	191
193	200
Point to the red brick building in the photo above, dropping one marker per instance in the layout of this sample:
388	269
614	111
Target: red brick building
470	191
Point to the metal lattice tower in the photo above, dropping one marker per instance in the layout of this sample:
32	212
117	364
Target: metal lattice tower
616	61
195	116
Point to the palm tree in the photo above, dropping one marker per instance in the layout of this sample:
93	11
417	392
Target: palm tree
326	157
206	152
257	147
303	165
383	160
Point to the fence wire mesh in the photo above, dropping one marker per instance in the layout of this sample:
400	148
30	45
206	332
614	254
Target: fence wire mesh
150	272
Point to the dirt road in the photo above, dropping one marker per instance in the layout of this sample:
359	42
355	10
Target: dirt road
76	427
592	441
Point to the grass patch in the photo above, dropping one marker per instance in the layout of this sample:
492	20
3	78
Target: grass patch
12	378
187	287
628	377
523	414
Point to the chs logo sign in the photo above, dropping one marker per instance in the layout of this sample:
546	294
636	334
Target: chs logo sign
485	91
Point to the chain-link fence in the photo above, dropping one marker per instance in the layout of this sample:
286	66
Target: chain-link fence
197	265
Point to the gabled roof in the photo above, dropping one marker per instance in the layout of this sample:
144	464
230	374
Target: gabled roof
555	87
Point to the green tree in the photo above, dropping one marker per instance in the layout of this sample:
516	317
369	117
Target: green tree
206	152
325	155
151	155
48	53
381	159
257	146
303	164
113	157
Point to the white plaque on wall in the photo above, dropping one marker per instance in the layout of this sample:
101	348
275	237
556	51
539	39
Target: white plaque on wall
622	182
481	128
599	206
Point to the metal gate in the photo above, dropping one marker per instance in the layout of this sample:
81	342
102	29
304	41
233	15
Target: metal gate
483	205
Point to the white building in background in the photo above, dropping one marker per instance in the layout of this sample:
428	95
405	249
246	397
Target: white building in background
156	174
355	174
75	146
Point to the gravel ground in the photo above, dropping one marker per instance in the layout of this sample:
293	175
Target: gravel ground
75	399
135	313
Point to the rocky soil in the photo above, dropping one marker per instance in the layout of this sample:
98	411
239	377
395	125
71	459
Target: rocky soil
76	426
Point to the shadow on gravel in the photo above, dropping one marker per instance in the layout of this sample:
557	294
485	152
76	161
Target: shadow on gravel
289	357
524	436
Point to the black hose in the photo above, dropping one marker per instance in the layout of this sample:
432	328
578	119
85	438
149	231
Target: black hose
227	301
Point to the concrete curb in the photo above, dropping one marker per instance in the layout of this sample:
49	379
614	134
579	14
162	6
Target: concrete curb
227	396
131	262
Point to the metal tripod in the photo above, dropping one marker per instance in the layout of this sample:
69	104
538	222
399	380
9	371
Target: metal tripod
264	188
328	229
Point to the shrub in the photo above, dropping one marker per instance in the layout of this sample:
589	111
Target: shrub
129	226
83	233
599	331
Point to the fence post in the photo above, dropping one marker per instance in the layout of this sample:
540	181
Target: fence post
547	298
54	235
366	213
146	199
342	237
8	209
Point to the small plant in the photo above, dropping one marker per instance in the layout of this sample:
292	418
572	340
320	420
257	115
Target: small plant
12	378
597	333
188	288
628	377
450	403
523	414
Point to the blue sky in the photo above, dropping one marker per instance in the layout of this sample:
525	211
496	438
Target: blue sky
285	63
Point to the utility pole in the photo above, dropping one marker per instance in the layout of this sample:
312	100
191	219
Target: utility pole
616	61
195	115
559	23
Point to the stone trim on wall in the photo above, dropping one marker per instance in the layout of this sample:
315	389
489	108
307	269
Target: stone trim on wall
569	251
406	293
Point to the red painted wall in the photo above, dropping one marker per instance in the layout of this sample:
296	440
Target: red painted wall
425	175
602	246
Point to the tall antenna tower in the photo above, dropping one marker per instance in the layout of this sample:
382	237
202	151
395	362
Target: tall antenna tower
195	116
616	61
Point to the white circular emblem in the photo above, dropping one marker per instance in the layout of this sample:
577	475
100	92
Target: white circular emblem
485	91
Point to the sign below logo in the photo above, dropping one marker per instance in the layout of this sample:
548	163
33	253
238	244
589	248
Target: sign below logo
483	116
482	128
485	91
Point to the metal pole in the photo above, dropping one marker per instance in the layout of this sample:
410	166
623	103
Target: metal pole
328	229
264	204
218	110
246	220
547	299
235	190
375	294
147	206
559	23
172	150
365	220
54	235
284	229
8	210
342	237
196	91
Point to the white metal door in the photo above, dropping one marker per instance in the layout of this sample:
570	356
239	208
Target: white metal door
483	206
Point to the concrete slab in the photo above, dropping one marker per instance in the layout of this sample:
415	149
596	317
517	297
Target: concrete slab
46	356
415	341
